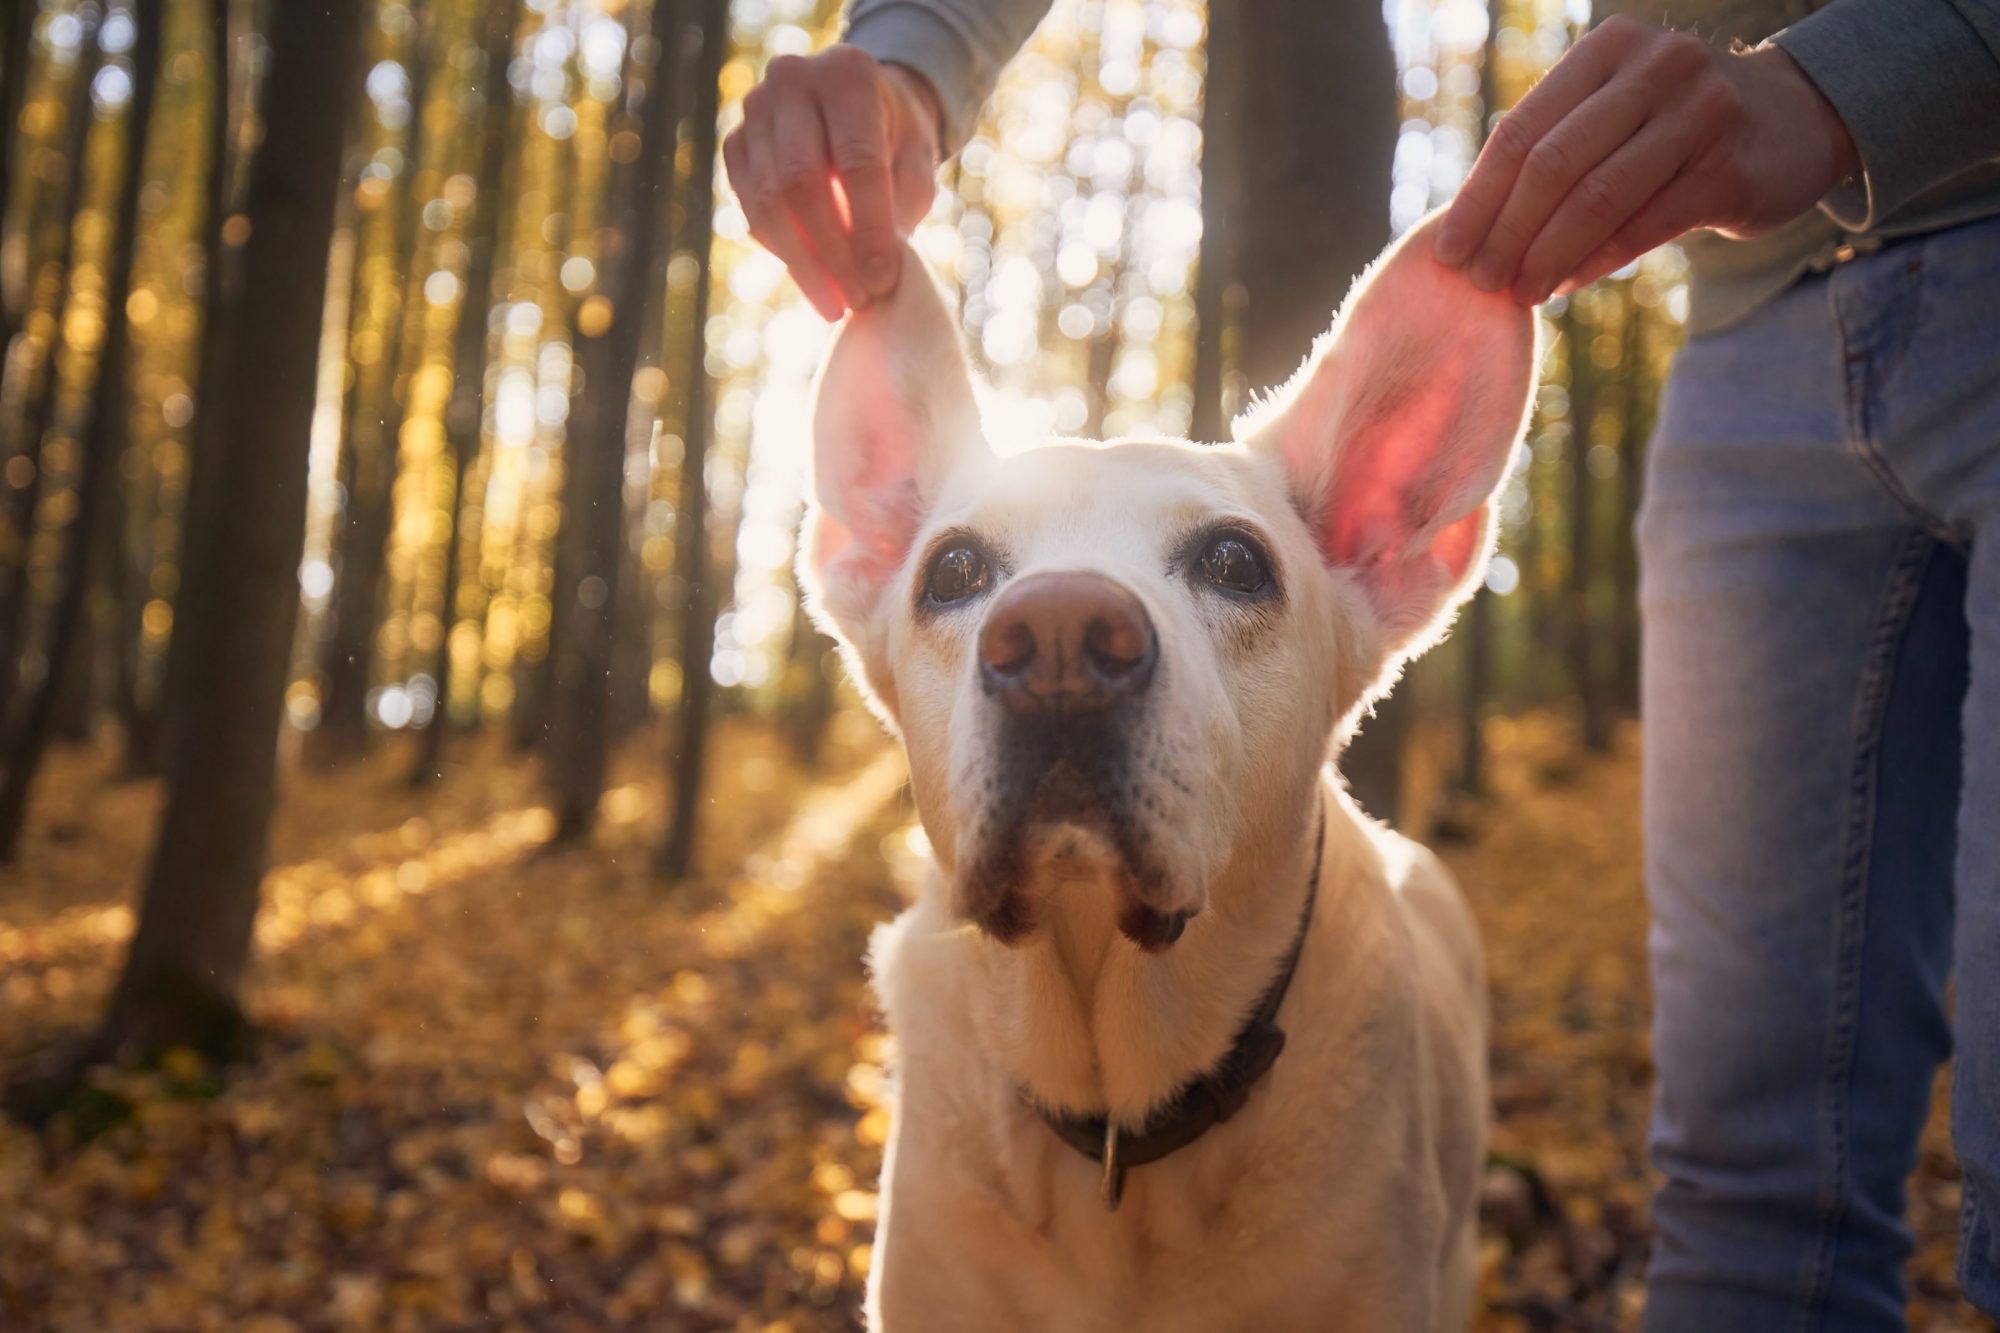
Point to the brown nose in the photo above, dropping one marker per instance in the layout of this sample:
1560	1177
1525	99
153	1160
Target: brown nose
1066	641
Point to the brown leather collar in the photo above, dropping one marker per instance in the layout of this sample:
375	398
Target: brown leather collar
1210	1097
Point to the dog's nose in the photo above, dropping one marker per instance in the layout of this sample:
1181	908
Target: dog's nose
1066	640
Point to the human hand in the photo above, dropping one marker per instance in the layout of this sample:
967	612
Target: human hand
1637	135
836	119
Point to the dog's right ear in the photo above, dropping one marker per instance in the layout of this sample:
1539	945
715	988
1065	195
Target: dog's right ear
893	414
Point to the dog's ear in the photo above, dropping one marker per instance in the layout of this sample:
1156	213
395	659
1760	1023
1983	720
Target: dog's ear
1397	430
893	413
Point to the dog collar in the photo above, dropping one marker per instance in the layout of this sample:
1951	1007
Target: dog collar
1210	1097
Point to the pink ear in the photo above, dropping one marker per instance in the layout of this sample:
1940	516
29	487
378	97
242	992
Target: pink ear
893	411
1396	431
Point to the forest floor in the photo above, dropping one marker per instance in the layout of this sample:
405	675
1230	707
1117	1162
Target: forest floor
505	1087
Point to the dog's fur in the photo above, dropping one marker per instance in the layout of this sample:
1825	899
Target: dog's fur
1342	1196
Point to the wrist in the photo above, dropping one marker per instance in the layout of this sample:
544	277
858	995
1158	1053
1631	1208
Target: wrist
920	98
1828	129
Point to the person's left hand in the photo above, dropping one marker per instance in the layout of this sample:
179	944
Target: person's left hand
1638	135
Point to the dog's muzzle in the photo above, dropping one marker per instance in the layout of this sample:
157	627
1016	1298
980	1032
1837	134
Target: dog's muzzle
1068	656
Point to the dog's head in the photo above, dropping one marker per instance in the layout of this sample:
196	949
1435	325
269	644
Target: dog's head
1124	662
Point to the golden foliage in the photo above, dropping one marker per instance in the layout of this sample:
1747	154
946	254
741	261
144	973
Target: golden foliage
1555	878
507	1089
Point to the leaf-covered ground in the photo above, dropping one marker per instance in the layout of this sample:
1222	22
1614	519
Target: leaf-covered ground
1553	870
516	1089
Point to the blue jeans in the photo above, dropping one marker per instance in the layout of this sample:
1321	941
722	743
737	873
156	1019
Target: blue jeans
1820	544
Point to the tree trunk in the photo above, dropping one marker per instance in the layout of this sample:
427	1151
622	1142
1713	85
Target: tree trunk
38	409
1475	634
688	757
202	509
1221	196
808	687
534	676
1638	428
465	414
1583	630
369	458
103	440
182	976
17	30
593	523
1299	130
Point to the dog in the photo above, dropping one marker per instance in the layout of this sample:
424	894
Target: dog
1185	1041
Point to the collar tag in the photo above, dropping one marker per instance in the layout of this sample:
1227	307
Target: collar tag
1112	1187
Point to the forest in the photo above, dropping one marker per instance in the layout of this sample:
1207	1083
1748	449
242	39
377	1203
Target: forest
436	849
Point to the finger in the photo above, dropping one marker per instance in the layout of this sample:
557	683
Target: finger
1585	69
771	223
1565	157
736	168
915	173
1671	213
805	176
857	135
1605	200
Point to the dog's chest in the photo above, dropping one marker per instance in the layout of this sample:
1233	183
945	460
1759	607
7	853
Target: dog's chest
1187	1232
1215	1240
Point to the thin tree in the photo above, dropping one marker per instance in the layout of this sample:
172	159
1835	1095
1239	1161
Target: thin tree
1585	676
201	506
465	413
808	686
37	413
609	343
373	428
1475	636
1637	427
1299	122
103	441
17	34
181	979
688	756
535	676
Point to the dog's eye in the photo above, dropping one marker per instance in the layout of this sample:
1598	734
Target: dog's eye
956	574
1233	564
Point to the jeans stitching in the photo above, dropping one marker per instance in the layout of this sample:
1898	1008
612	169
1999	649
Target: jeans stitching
1855	365
1972	1218
1871	706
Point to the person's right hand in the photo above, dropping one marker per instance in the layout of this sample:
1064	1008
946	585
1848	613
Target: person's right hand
836	117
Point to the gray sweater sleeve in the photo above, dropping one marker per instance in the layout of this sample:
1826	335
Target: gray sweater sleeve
1918	84
959	45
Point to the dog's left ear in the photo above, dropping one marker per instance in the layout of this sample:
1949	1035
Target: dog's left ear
893	413
1397	430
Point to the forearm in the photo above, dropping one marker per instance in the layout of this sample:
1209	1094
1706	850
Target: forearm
1917	83
959	46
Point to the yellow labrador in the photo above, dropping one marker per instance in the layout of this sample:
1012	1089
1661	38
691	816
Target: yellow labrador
1186	1042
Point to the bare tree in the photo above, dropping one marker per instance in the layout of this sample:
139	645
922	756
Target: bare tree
608	351
1587	678
1637	429
17	32
465	414
690	740
103	443
38	410
1299	123
181	978
373	427
201	508
1475	635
